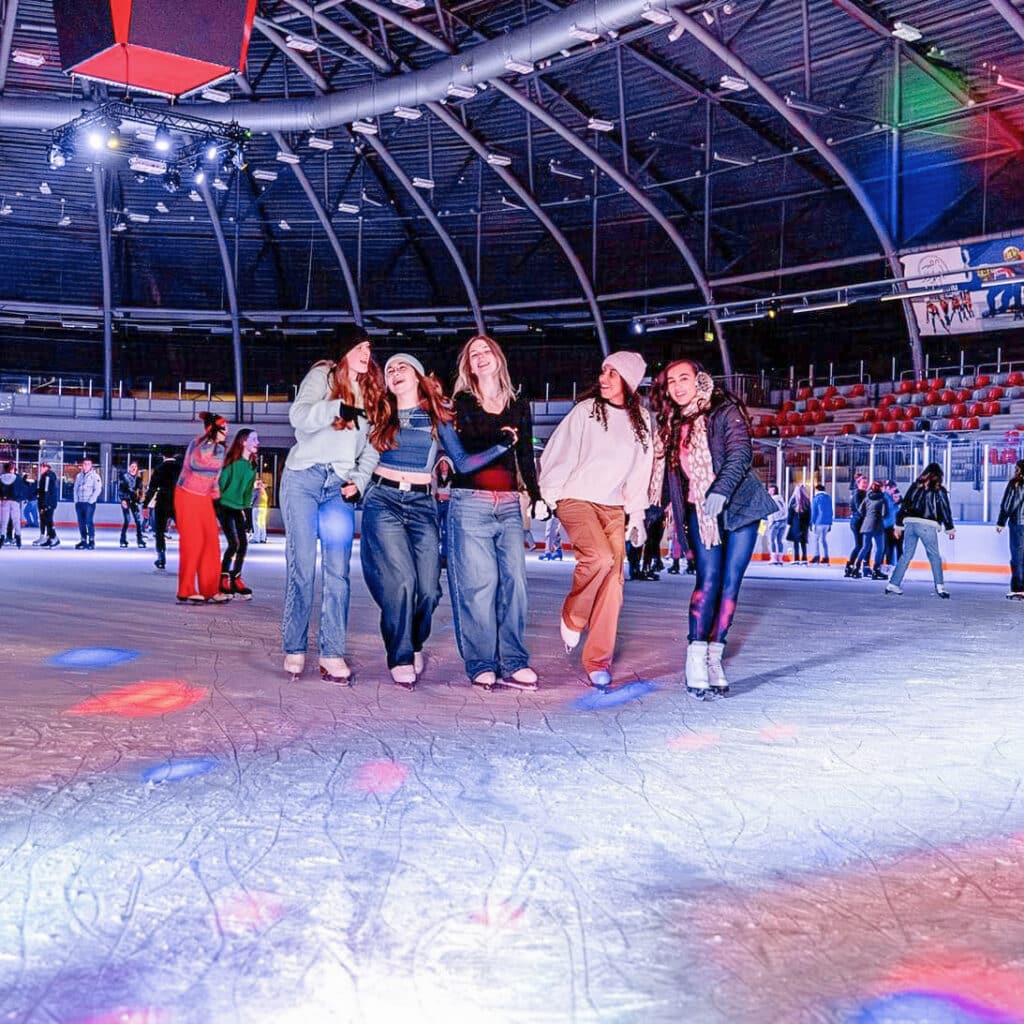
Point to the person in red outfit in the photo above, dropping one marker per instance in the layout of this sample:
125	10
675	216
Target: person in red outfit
199	541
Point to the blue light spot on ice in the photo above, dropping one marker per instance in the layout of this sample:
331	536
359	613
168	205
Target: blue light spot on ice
917	1007
92	657
179	768
598	700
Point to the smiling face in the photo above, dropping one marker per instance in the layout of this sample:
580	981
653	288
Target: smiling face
681	383
401	381
611	386
252	444
133	468
482	361
357	359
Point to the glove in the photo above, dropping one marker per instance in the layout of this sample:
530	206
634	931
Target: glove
540	510
714	505
636	532
354	497
349	413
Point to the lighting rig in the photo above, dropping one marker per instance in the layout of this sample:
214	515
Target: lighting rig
168	145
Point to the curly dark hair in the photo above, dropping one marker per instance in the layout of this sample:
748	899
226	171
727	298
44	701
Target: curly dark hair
634	407
384	432
668	416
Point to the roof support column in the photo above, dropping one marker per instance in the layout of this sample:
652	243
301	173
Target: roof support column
99	186
232	294
6	40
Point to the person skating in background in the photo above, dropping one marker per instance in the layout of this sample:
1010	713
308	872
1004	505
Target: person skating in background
552	541
443	475
326	472
129	493
595	471
798	520
260	510
197	488
704	433
10	507
654	523
777	528
25	492
872	532
923	513
86	492
822	515
893	544
48	496
1011	515
858	491
236	487
160	496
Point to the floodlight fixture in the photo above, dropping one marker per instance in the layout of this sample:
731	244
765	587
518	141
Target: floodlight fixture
162	141
587	35
600	124
905	31
733	83
408	113
461	92
806	105
346	207
216	95
498	159
172	181
321	143
656	15
300	44
28	59
364	127
424	183
285	157
518	66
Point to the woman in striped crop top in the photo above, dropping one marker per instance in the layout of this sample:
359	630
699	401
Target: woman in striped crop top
399	546
199	541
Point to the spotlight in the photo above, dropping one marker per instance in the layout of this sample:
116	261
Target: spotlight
198	175
638	327
163	140
238	158
95	139
113	139
210	151
172	181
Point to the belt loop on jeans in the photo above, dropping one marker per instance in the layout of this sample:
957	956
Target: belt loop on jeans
401	485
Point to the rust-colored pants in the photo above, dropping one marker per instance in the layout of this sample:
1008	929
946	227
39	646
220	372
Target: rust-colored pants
198	544
598	535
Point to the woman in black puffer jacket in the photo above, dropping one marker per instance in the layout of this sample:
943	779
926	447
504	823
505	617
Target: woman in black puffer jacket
1011	511
872	529
924	511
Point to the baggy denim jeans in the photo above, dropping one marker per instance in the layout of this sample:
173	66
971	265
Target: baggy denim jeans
401	555
929	537
487	580
313	509
719	574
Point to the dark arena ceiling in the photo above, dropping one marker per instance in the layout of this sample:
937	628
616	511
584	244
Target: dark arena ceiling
843	147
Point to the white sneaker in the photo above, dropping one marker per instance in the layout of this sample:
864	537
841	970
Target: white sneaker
891	588
522	679
404	675
418	662
570	637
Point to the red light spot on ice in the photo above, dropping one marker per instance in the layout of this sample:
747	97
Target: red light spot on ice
240	913
503	915
694	741
381	777
775	733
142	700
965	976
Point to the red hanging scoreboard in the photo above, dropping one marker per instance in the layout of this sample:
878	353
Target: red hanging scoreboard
156	46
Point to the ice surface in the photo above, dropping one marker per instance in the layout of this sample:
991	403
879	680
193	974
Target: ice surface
187	837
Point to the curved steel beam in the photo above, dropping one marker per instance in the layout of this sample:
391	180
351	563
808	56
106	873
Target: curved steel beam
229	284
511	181
1010	14
319	212
99	186
403	179
803	127
269	32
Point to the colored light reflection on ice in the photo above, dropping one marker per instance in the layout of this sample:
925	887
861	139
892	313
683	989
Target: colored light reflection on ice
921	1007
145	699
778	733
381	777
92	657
146	1015
244	913
179	768
504	915
598	700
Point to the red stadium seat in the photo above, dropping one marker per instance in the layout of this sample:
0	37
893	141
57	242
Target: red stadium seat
806	418
896	412
920	386
956	423
788	405
1016	379
913	411
833	390
804	393
932	398
982	380
856	391
947	396
964	395
906	387
991	408
976	409
818	416
760	431
877	428
995	393
907	425
973	423
959	409
993	456
847	428
936	383
886	400
838	402
793	418
892	428
869	416
813	404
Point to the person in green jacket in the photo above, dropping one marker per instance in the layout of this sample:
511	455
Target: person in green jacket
236	483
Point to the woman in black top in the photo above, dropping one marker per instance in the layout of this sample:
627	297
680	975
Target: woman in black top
486	560
1011	512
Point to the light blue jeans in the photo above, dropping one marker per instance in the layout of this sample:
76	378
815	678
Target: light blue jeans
487	580
929	537
313	509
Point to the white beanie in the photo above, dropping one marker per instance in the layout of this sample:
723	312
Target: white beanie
404	357
630	366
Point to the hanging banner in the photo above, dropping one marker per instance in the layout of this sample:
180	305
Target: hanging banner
975	287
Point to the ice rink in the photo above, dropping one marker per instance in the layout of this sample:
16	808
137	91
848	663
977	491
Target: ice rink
189	838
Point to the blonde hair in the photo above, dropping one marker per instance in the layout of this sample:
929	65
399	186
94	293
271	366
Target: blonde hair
467	380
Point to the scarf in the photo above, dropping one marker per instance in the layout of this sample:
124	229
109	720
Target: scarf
702	469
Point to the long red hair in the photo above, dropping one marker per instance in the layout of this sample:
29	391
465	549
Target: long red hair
384	432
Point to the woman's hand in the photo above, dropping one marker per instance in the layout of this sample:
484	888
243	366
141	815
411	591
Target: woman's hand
999	529
349	491
513	434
